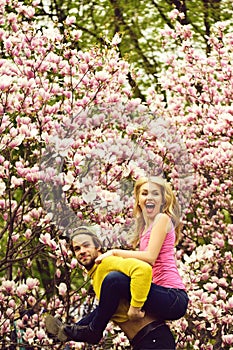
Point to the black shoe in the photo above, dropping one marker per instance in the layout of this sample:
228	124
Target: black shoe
55	327
83	334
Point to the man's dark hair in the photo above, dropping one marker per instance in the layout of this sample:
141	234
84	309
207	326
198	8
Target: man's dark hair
84	230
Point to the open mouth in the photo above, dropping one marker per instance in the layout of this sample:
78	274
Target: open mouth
150	206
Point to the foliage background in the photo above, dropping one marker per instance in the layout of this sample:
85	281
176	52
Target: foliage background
111	101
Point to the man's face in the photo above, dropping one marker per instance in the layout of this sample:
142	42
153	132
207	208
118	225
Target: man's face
85	250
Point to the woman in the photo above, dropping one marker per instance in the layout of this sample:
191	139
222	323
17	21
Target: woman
156	211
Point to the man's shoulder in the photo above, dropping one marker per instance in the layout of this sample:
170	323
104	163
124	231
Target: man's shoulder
111	258
119	261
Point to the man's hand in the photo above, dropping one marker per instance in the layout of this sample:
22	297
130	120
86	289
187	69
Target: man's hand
103	256
135	313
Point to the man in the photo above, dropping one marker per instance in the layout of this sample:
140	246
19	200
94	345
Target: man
143	330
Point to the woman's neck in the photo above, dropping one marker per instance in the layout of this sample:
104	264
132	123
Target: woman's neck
147	225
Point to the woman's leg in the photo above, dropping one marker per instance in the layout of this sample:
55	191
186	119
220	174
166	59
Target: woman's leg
163	303
115	286
166	303
86	320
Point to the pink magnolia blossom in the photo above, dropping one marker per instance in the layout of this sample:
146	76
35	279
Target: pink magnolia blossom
10	313
20	324
8	286
15	182
6	326
46	239
31	300
29	335
116	39
28	233
28	11
32	283
77	34
12	303
22	290
102	76
70	20
62	289
73	263
230	302
40	333
2	187
29	263
15	237
210	287
227	339
58	273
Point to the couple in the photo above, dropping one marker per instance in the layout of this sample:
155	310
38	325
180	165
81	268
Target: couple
122	278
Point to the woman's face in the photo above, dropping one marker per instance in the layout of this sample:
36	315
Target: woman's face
150	200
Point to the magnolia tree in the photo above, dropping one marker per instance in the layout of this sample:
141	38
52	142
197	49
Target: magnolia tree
198	93
73	140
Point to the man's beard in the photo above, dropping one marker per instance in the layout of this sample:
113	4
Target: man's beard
88	266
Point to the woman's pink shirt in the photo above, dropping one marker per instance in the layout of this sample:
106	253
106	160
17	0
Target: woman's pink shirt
164	270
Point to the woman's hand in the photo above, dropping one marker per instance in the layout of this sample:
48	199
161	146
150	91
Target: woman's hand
135	313
103	256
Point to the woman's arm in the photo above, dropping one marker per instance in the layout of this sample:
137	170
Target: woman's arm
158	234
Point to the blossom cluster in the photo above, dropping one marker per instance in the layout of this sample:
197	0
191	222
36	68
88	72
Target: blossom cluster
198	89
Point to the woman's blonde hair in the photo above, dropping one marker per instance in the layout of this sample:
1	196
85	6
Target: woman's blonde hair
170	206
